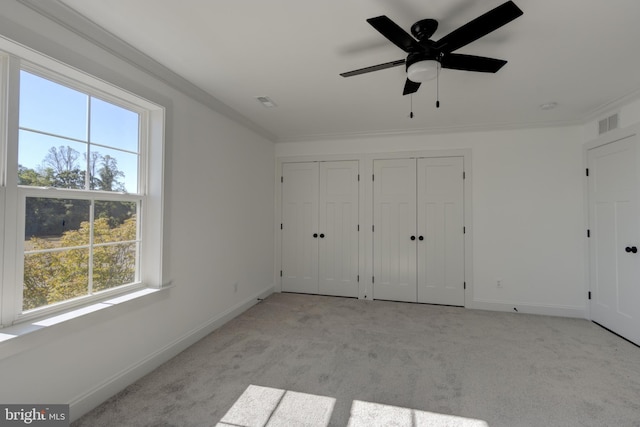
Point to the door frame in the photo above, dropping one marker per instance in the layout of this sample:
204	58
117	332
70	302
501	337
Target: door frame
604	139
365	239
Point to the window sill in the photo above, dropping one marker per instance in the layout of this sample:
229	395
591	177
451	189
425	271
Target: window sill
10	334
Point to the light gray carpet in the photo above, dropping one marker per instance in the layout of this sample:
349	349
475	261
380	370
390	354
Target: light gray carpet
506	369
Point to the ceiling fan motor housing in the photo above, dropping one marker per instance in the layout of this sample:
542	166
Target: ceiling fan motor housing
424	29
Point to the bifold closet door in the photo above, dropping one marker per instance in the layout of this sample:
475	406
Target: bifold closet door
394	237
418	240
440	231
338	229
320	228
300	223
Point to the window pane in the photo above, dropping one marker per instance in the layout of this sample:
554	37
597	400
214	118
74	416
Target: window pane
54	223
114	222
52	277
113	126
114	265
47	161
114	170
50	107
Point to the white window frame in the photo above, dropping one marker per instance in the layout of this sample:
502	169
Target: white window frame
14	58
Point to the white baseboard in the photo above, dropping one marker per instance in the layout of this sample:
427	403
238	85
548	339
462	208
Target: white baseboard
109	387
545	310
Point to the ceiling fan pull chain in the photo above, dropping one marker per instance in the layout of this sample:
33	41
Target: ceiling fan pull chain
438	85
411	113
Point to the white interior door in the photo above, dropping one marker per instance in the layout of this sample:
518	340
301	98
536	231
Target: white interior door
614	222
338	229
440	231
394	216
299	224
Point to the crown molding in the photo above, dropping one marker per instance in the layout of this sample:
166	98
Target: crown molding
73	21
615	104
436	130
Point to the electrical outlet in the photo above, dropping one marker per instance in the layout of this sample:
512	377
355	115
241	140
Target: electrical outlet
499	283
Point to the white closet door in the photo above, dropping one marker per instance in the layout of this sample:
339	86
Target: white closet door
300	223
440	231
614	221
394	216
338	230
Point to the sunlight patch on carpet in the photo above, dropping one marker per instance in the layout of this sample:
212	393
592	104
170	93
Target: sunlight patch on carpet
272	407
367	414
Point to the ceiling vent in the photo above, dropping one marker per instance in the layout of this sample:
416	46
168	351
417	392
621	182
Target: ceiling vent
607	124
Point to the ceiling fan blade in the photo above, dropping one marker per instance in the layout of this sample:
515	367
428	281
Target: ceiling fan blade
480	64
410	87
373	68
479	27
394	33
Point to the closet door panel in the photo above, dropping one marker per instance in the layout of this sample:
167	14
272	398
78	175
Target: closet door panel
300	223
394	219
338	217
440	211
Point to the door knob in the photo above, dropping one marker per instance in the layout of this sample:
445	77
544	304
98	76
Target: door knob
421	238
413	237
322	235
632	249
315	235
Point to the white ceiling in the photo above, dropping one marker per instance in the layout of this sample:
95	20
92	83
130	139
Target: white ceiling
583	55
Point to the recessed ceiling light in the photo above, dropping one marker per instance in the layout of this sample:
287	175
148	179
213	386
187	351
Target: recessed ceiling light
266	101
549	106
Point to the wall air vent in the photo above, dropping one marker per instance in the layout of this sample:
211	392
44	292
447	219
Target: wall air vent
613	121
607	124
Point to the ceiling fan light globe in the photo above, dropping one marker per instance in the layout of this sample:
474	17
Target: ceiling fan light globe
422	71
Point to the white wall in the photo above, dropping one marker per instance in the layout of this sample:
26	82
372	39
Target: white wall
218	231
528	211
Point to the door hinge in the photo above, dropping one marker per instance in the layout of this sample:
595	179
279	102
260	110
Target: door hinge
588	233
358	278
373	228
464	230
589	294
280	273
373	279
358	177
281	226
373	177
464	284
464	175
282	179
358	227
587	171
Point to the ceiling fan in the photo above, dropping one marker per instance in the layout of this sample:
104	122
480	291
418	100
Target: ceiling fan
425	56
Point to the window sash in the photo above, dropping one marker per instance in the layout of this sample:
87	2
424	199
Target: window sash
54	193
93	92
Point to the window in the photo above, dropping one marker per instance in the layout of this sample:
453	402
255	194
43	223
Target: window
82	187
